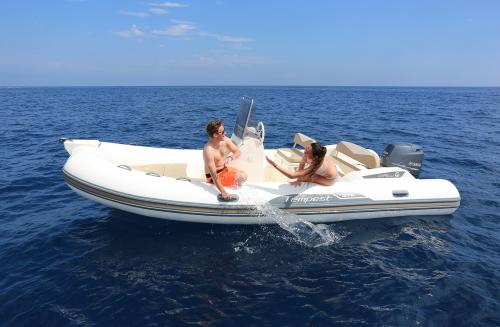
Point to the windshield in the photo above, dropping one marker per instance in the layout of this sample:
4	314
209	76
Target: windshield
245	118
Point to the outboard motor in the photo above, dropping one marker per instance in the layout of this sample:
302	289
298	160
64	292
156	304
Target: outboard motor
403	155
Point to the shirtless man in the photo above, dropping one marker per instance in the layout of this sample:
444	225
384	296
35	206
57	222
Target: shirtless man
214	156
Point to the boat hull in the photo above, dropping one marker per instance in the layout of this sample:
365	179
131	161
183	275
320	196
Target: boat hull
269	218
312	207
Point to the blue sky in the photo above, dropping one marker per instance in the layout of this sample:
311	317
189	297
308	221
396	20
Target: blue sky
222	42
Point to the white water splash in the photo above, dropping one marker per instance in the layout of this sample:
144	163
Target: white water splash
304	232
243	246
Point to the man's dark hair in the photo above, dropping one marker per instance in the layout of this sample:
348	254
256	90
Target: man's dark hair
213	127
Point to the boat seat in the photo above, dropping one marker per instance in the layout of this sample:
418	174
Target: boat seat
176	170
366	157
350	156
347	163
294	155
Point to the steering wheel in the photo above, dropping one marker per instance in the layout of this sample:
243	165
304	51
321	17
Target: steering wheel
261	131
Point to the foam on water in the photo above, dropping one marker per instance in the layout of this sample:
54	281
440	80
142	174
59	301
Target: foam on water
303	231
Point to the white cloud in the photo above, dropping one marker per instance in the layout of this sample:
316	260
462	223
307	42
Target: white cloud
185	28
158	11
226	38
178	29
134	31
134	13
233	59
237	39
176	21
169	4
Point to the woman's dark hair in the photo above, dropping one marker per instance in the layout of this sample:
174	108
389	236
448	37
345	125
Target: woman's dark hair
319	153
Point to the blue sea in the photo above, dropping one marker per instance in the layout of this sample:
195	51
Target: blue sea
66	261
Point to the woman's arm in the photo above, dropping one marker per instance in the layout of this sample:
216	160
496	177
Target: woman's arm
302	163
290	174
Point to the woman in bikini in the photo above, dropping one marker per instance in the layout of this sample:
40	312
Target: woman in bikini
320	169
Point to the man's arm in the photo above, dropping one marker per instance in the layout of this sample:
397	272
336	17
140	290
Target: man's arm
232	147
208	157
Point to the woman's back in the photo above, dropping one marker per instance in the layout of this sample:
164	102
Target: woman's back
327	169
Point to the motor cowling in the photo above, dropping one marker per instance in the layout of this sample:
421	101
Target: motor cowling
403	155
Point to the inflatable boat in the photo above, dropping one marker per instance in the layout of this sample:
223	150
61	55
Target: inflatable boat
171	184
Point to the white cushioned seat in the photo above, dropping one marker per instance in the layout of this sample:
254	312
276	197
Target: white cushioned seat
294	155
365	157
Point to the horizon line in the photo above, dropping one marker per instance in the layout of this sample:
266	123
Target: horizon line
249	85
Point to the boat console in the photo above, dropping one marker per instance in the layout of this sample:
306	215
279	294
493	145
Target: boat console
246	126
249	137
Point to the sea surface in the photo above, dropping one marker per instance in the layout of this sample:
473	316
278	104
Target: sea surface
66	261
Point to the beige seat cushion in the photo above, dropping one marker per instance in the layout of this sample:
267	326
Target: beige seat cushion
366	157
349	162
291	155
175	170
302	140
